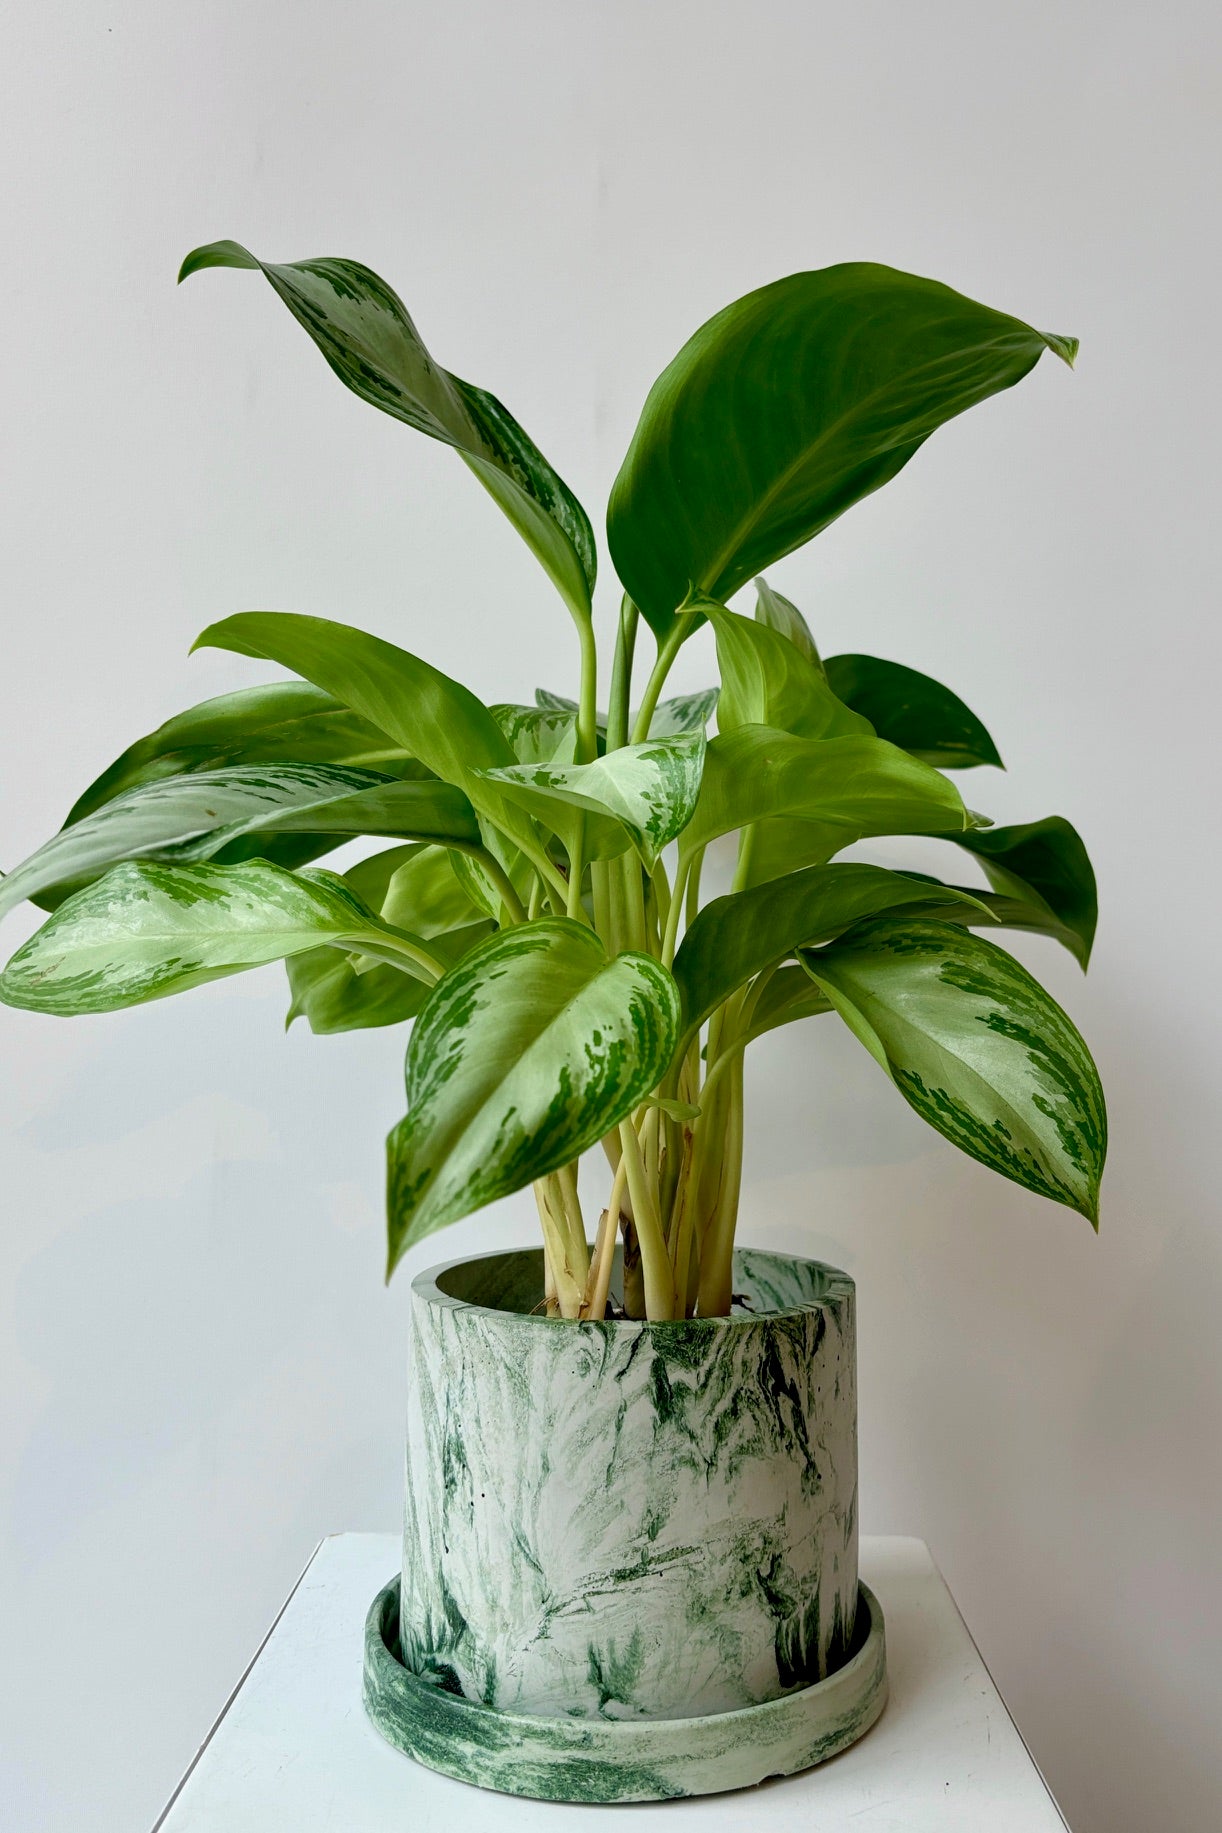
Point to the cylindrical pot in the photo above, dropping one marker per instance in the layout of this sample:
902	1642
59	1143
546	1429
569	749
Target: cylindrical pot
615	1524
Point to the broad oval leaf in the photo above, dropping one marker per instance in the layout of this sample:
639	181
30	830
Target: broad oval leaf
736	936
363	329
147	930
913	710
786	409
524	1054
977	1048
280	722
767	681
648	791
842	789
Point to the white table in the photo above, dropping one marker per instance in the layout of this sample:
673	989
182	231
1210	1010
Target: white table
293	1753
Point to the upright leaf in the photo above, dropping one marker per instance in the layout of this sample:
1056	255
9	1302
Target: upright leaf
737	936
786	409
913	710
539	735
767	681
977	1048
363	329
784	617
145	931
838	789
528	1051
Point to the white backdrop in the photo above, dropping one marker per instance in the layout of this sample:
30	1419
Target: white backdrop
201	1370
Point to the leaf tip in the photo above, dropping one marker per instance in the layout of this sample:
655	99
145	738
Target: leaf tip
1065	347
215	254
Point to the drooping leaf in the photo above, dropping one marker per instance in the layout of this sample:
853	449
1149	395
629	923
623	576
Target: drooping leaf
184	818
783	616
435	718
787	408
1044	866
147	930
363	329
837	789
977	1048
528	1051
281	722
913	710
736	936
645	792
767	681
328	992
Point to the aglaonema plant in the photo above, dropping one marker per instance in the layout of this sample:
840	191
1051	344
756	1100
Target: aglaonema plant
538	915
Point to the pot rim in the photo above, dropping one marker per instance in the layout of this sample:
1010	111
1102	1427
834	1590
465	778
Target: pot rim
837	1287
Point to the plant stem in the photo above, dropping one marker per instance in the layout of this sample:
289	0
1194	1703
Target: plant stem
497	873
573	904
570	1201
397	949
621	675
667	652
655	1262
716	1292
587	705
567	1287
599	1282
671	936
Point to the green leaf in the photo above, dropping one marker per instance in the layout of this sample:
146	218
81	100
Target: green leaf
281	722
1044	866
525	1054
767	681
148	930
914	711
685	713
736	937
785	997
363	329
433	717
415	888
329	993
644	792
785	618
821	793
977	1048
187	818
539	735
786	409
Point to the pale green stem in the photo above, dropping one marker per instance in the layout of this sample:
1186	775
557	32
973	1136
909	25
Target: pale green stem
621	675
682	879
497	873
587	705
599	1282
655	1261
717	1249
579	1251
573	903
693	886
400	948
568	1288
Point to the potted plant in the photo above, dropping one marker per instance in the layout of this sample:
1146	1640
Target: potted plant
630	1565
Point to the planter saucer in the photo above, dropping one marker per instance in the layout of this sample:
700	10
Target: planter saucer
603	1760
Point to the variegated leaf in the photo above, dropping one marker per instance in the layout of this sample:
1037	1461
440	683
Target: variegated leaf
649	790
147	930
332	996
280	722
537	734
527	1052
977	1048
363	329
685	713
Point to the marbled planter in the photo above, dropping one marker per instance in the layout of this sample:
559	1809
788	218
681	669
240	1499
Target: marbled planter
625	1522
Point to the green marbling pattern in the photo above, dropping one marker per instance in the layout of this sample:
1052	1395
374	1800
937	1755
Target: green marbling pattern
626	1521
599	1760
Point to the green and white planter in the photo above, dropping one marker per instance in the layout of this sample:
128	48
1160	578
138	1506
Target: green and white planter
630	1555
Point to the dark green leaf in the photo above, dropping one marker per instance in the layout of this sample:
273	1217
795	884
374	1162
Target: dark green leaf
737	936
786	409
363	329
913	710
1044	866
977	1048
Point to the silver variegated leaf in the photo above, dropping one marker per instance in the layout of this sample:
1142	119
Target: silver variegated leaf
147	930
363	329
650	790
527	1052
537	734
977	1048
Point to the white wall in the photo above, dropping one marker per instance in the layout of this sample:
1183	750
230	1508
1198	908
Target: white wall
202	1372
